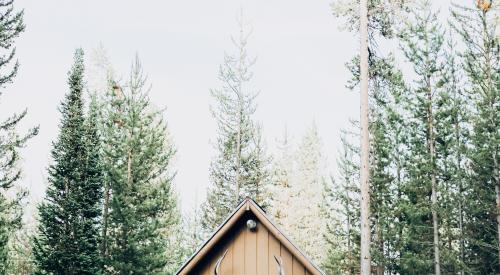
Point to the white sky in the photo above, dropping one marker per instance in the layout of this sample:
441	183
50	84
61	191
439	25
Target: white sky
300	70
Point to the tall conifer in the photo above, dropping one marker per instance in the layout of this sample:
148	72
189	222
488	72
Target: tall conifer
342	211
11	26
240	167
67	240
422	45
141	215
477	27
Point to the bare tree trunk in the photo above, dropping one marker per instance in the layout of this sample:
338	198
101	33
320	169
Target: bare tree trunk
432	153
379	243
460	191
349	245
240	115
365	143
129	168
497	191
104	244
238	158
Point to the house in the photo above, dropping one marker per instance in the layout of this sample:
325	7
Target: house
248	243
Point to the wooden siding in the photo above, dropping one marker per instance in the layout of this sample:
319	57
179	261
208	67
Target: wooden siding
249	253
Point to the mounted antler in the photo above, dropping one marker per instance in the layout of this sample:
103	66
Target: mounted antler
279	261
219	261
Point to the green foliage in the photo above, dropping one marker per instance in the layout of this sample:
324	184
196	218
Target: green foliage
481	63
342	211
422	42
11	26
240	167
67	239
20	260
141	207
452	104
383	15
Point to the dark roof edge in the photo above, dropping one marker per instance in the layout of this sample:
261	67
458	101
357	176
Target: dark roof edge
242	203
264	216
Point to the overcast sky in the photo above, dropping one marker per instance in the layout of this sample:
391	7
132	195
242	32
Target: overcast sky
300	70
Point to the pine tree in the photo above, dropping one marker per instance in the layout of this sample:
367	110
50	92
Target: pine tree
422	45
240	167
452	127
282	176
364	166
193	231
387	148
307	196
342	213
67	240
141	216
299	193
20	260
481	62
375	20
385	151
11	26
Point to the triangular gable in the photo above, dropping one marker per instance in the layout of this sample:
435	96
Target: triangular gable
244	208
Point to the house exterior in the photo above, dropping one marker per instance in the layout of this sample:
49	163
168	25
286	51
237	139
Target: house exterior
248	243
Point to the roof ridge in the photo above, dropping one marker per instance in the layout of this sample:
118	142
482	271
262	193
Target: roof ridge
230	221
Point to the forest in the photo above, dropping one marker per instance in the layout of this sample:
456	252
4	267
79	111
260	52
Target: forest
416	188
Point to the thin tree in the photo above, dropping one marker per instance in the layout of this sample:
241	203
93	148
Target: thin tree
422	45
477	27
11	26
371	17
342	210
240	168
365	142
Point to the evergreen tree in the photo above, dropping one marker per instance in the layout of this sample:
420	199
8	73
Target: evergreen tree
20	260
452	127
67	240
422	45
11	26
386	153
342	213
481	62
194	232
141	216
375	20
283	168
240	167
299	193
307	196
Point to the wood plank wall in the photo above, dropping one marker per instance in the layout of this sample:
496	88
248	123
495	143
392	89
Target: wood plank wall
250	253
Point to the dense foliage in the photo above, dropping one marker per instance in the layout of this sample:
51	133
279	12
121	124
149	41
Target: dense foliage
111	206
434	148
240	168
68	232
11	26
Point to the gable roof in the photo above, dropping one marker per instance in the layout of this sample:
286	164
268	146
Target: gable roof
247	205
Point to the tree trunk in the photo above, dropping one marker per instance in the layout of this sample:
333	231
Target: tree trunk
349	245
380	245
240	118
104	244
365	143
497	190
432	154
238	154
460	192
